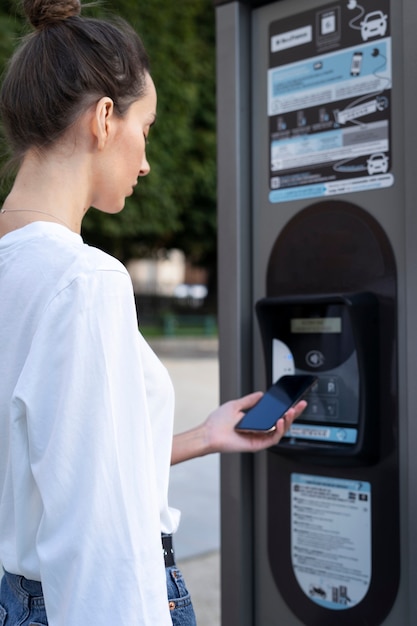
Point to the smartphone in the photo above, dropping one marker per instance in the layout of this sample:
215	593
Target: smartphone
283	394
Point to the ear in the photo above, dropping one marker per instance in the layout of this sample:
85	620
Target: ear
102	119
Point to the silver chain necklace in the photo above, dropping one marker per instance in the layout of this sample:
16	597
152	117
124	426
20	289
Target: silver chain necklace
35	211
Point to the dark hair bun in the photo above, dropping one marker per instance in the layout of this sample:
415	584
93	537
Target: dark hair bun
41	13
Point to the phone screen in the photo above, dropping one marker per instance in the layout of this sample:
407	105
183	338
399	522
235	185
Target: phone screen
286	392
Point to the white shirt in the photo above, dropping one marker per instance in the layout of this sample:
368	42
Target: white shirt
86	419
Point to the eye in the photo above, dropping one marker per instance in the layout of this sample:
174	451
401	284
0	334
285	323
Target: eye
146	139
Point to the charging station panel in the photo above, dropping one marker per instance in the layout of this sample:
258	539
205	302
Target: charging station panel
336	475
336	339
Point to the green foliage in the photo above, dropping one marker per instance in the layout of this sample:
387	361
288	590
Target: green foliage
11	27
175	206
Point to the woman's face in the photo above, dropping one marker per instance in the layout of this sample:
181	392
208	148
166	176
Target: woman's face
123	161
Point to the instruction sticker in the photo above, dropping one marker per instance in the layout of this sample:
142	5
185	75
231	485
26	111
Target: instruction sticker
331	539
329	101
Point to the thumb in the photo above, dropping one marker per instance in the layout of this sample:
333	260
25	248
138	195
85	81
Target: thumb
247	402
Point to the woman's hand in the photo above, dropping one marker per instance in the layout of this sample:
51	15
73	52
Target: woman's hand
221	433
217	433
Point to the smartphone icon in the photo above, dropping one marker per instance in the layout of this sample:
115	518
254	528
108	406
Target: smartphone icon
356	64
283	394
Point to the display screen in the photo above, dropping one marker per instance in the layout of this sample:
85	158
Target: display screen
316	325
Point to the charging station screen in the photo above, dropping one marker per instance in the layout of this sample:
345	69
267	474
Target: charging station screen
329	101
316	325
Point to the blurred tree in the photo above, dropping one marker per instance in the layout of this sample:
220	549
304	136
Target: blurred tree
175	206
11	29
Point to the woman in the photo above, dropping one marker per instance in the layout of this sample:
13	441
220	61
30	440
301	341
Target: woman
86	408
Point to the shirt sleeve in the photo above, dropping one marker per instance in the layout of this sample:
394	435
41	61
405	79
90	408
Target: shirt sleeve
89	441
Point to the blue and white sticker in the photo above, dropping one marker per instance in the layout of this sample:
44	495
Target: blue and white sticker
322	432
329	101
331	551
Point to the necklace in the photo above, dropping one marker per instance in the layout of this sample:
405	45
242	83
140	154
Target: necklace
35	211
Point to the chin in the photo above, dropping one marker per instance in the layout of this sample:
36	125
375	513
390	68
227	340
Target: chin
110	210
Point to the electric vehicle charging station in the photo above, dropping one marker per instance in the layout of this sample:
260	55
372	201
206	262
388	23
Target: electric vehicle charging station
317	189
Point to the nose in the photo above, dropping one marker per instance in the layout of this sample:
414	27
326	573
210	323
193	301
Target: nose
145	167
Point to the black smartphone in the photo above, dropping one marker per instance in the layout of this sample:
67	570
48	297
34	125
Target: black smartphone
280	397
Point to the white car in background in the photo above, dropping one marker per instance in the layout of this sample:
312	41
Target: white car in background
374	24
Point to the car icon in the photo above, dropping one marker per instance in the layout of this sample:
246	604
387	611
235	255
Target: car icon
377	164
374	24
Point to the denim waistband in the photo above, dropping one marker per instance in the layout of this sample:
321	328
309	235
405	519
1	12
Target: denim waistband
25	588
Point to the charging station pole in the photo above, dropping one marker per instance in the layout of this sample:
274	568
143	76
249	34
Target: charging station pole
317	188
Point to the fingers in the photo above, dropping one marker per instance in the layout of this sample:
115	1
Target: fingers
294	412
248	401
299	408
292	415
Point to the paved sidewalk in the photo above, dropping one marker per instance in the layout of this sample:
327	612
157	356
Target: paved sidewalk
194	487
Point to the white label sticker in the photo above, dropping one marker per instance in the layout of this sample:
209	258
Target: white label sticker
292	38
331	539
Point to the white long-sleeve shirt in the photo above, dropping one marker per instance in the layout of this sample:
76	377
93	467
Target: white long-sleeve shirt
86	413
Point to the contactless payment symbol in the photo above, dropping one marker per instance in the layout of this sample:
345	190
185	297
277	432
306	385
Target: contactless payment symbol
315	358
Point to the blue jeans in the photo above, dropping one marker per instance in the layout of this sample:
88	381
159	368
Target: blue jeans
180	606
22	603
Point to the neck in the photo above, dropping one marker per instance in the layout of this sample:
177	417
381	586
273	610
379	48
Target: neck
46	188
